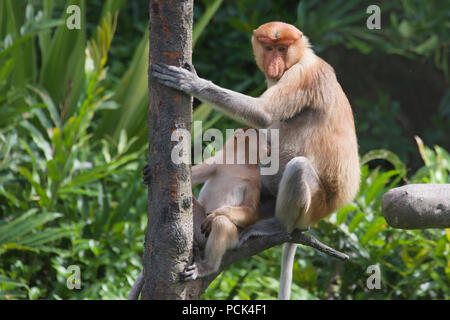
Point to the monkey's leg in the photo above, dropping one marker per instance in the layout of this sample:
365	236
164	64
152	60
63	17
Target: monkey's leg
298	186
223	236
241	216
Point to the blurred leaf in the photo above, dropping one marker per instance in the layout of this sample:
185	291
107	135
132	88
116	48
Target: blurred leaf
132	96
201	24
405	29
19	227
62	73
378	184
431	44
343	212
374	228
356	220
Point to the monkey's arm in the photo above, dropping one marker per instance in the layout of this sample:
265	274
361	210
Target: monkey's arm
202	172
252	111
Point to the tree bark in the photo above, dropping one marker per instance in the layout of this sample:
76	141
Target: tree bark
418	206
168	245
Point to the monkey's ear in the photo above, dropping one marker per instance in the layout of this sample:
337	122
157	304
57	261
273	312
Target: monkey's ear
189	66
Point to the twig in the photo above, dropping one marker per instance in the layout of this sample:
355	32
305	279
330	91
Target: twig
312	242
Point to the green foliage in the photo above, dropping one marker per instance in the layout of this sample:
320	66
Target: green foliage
410	29
60	193
437	165
377	122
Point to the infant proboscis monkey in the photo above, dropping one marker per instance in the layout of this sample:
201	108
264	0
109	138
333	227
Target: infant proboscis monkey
230	197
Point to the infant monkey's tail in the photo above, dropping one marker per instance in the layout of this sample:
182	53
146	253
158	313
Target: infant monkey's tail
137	287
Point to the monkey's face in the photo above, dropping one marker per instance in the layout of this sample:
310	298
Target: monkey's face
276	47
275	61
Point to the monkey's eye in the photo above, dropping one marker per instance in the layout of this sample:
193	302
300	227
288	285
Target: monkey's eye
268	48
281	49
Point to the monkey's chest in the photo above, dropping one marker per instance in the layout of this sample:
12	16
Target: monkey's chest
294	140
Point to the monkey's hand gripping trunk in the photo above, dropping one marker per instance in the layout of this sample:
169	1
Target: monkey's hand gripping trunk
237	105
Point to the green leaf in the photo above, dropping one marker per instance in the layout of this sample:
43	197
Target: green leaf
17	228
357	219
50	105
131	94
121	147
407	260
62	72
44	200
38	138
343	212
405	29
201	24
111	7
9	281
429	45
53	171
378	184
374	228
385	155
40	238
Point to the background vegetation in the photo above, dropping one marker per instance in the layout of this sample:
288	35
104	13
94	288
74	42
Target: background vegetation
73	142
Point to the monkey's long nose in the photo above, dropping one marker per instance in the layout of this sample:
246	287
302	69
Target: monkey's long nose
275	69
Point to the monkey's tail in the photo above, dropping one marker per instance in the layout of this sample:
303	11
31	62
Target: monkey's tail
137	287
287	264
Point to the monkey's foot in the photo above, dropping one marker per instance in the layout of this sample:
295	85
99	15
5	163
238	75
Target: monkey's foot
190	273
146	174
196	271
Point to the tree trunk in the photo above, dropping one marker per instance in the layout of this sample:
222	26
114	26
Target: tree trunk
169	237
